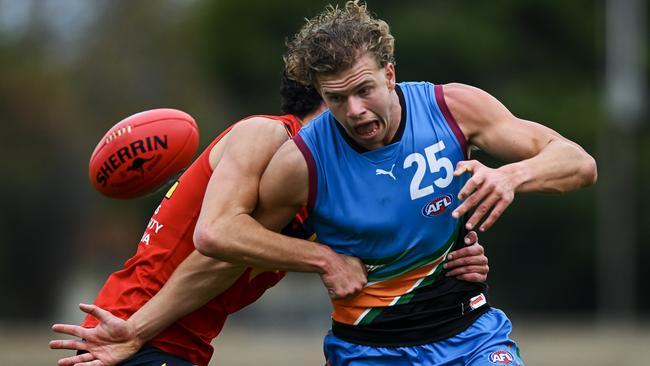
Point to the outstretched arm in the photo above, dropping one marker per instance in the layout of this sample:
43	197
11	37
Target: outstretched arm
196	281
543	160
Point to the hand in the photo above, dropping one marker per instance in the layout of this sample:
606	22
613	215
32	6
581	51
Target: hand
468	263
345	276
490	189
111	341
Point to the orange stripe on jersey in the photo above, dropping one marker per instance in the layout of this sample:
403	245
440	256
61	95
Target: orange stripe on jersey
381	294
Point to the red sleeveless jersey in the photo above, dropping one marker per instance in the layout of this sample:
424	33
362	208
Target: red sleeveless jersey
166	242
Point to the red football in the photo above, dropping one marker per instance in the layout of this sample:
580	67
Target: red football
141	152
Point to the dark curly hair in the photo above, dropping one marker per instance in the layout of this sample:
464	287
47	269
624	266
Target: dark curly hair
333	40
298	99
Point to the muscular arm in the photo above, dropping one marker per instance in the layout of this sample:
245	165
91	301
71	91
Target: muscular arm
542	159
230	197
238	162
226	228
237	236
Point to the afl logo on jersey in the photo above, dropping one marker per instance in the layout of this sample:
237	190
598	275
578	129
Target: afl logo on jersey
501	357
437	206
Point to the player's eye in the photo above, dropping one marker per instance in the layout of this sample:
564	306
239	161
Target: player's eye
336	98
365	91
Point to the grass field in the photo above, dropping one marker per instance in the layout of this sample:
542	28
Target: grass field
543	343
280	330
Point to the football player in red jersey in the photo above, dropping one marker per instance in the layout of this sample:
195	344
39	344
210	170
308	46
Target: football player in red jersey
176	300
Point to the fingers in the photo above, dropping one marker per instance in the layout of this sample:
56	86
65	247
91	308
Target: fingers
470	258
346	279
343	293
471	195
496	213
463	253
468	263
462	167
481	210
489	191
480	268
75	360
471	187
102	315
73	344
470	273
473	277
471	238
465	166
69	329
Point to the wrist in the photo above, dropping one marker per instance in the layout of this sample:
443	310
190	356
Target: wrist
139	333
324	260
518	174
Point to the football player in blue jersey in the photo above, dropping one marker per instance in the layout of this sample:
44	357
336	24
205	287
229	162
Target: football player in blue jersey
198	279
387	177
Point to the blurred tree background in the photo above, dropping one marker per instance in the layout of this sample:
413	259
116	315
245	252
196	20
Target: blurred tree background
70	69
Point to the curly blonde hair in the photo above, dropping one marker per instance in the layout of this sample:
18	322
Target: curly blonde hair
333	40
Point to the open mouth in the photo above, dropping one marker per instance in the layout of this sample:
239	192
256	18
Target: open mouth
367	130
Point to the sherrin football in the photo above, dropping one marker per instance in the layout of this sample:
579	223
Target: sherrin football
142	152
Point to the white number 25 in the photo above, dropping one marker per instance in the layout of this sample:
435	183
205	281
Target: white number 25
435	165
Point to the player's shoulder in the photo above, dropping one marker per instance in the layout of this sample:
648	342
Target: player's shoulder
260	121
468	102
473	108
290	153
256	132
459	95
260	126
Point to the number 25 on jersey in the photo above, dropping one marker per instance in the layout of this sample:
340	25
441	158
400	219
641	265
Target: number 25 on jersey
434	164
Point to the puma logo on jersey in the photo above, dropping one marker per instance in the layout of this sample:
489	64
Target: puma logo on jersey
386	172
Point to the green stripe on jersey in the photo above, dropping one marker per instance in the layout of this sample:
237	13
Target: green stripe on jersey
373	313
374	277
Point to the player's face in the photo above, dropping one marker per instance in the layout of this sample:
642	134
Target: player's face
363	101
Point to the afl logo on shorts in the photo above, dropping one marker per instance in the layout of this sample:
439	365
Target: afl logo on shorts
437	206
501	357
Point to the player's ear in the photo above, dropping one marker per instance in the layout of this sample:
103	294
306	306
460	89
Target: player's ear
390	75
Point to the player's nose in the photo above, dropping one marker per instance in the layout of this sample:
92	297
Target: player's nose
355	107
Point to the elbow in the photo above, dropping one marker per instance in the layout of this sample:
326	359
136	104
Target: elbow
589	171
206	241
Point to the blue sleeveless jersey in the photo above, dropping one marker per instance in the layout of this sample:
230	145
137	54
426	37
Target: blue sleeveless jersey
390	206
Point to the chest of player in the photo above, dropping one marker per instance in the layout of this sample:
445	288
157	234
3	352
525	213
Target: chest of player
395	201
